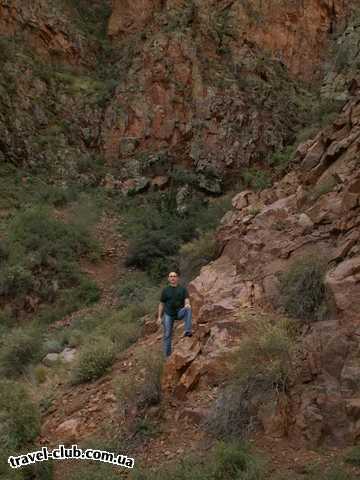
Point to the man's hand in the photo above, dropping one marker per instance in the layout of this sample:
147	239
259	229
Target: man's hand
187	305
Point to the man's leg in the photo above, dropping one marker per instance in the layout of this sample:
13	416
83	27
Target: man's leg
186	315
168	327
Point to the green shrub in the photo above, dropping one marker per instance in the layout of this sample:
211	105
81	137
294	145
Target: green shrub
155	246
353	457
137	288
261	369
156	230
36	233
40	470
280	160
70	300
42	256
267	352
53	346
195	254
55	195
95	358
19	417
256	179
234	460
123	335
19	347
15	280
302	289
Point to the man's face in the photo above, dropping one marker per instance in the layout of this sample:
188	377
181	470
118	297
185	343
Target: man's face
173	278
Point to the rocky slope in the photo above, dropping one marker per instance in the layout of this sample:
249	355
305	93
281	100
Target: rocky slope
314	210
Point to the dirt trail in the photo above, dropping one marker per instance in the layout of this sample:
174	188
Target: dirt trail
106	272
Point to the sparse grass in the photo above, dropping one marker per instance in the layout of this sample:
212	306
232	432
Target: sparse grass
302	289
226	461
94	471
323	188
121	327
145	392
317	113
253	210
333	472
144	428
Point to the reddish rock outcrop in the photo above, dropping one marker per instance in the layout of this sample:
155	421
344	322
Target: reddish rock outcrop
204	81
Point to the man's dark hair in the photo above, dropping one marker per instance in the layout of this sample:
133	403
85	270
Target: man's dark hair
176	270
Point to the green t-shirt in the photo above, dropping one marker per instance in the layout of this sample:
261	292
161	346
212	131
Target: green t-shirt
174	299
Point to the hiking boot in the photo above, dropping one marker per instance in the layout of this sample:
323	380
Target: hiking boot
187	334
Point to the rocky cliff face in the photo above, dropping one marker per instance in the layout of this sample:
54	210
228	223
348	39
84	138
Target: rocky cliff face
46	28
208	86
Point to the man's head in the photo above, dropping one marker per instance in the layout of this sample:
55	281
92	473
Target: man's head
173	278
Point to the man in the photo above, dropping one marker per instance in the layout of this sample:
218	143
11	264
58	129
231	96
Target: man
174	304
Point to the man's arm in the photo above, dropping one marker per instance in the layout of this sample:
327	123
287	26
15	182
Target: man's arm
160	311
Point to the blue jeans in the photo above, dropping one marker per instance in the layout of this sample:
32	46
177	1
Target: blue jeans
168	322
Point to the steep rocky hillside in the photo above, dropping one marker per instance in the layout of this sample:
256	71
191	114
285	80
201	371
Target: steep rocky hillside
122	124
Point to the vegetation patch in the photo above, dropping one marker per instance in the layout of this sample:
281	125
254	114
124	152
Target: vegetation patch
196	254
226	461
302	289
262	368
145	392
19	416
256	179
95	359
353	456
18	348
40	255
156	229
